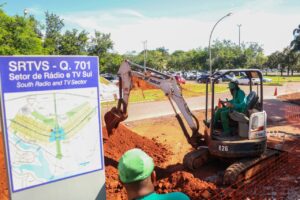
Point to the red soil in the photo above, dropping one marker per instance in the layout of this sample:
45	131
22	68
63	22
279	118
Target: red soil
172	178
122	140
3	177
138	83
185	182
293	98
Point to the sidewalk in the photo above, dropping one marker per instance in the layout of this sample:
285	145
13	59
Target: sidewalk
276	110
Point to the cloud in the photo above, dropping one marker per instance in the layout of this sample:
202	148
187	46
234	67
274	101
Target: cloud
129	28
35	10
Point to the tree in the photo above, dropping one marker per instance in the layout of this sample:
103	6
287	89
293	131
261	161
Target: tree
113	62
18	36
155	59
295	44
99	46
163	50
276	60
73	43
291	60
227	55
177	60
54	25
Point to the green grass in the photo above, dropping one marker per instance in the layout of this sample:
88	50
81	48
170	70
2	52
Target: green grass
283	79
280	80
188	90
195	89
104	81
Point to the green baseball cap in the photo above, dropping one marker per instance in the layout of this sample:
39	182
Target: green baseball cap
231	85
135	165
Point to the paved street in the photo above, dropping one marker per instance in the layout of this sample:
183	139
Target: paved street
138	111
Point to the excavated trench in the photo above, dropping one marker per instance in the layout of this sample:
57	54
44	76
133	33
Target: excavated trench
170	178
173	177
292	98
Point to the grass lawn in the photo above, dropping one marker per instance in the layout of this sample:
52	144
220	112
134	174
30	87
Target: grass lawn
188	90
283	79
104	81
279	80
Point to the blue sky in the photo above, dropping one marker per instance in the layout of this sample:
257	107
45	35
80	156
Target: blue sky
174	24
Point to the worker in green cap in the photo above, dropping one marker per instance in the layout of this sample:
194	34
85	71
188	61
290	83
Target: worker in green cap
136	172
238	103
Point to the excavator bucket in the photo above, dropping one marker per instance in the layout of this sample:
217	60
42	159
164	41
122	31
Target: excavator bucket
112	119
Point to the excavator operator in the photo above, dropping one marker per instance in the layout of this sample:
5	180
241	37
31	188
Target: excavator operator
238	103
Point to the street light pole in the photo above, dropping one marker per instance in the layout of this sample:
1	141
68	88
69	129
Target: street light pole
145	53
239	26
25	12
210	63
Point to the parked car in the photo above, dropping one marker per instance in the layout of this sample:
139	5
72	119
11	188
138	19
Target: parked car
112	78
190	75
180	79
267	80
204	78
246	81
227	77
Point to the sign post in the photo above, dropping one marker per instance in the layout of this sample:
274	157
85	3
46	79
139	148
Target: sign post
51	127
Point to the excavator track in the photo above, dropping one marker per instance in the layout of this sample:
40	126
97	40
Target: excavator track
245	169
195	159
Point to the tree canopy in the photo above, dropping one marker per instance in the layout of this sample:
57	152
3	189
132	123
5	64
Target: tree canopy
24	35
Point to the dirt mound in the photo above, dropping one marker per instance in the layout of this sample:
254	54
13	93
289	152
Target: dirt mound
172	179
122	140
293	98
185	182
141	84
3	177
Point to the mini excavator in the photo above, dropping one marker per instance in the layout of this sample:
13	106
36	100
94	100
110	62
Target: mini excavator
245	151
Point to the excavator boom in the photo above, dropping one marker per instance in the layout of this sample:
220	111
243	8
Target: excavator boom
166	83
119	113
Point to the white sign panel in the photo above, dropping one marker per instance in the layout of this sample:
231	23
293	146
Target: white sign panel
51	119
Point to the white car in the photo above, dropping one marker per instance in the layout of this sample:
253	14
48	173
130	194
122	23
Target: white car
108	92
267	80
245	81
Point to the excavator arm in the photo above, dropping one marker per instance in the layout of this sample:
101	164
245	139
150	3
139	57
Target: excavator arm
167	84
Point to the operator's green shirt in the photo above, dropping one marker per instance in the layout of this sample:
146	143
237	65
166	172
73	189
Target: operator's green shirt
239	101
169	196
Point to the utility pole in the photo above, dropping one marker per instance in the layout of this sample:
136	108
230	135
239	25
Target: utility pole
209	48
25	12
239	26
145	54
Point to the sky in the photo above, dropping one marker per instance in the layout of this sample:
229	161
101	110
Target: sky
173	24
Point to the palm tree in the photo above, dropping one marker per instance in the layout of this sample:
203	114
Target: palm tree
295	44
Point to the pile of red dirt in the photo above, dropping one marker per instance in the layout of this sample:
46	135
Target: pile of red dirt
3	177
124	139
118	143
293	98
173	180
185	182
141	84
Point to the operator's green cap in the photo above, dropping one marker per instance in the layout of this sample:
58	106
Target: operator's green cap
231	85
135	165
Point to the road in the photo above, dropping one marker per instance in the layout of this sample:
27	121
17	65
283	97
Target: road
139	111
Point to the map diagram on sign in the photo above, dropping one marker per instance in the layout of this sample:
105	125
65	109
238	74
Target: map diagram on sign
52	135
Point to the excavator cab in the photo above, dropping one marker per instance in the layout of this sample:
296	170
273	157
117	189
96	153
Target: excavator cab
246	148
248	136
